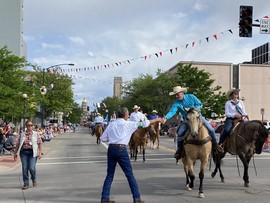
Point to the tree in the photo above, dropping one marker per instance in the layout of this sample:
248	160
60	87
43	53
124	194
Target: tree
59	95
13	85
75	114
150	93
153	93
199	83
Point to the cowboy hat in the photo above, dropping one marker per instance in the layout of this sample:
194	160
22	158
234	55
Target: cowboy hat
178	89
229	93
136	107
154	111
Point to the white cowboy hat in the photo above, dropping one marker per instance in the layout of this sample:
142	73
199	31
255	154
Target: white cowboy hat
229	93
136	107
154	111
178	89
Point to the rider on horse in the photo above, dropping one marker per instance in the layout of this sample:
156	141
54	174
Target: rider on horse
234	110
98	120
183	103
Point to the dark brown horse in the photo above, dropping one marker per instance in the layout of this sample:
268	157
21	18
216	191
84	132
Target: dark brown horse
246	139
98	132
197	146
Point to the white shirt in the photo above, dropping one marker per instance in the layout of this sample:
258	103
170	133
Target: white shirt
137	116
120	131
231	111
98	119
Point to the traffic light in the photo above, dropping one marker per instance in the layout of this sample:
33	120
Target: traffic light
245	21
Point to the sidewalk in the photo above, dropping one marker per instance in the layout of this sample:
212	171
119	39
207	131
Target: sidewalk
7	163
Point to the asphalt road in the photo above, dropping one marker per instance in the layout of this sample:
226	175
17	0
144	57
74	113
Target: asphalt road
74	167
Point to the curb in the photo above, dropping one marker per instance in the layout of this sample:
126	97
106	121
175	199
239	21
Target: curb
7	163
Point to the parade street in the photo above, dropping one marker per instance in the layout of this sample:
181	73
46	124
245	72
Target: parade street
73	169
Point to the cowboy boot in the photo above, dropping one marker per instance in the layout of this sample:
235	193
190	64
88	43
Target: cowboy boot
180	151
107	201
138	201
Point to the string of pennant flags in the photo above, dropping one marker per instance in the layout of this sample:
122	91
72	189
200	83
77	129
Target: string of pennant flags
176	49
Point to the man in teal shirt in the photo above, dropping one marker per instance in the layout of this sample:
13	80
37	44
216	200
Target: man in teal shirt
183	103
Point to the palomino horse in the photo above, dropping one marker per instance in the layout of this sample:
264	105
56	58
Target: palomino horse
98	132
138	139
246	139
197	146
154	133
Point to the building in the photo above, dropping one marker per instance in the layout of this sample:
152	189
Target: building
86	113
261	54
11	22
117	87
252	79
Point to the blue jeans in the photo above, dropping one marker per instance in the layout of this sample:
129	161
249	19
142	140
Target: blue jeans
28	165
182	129
119	155
227	129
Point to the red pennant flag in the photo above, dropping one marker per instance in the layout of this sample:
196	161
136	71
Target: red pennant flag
145	57
176	49
160	53
193	43
215	36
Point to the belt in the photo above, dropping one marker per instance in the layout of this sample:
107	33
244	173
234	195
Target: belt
117	145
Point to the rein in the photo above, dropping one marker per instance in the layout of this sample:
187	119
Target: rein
199	142
246	142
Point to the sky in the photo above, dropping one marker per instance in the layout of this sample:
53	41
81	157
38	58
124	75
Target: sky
120	38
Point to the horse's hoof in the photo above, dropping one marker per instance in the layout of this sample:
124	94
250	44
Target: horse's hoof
201	195
223	180
246	184
188	188
177	163
213	175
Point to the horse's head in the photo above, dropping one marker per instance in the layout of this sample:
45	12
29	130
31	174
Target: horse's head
261	138
194	121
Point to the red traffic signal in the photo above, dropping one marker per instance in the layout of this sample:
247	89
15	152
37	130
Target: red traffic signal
245	21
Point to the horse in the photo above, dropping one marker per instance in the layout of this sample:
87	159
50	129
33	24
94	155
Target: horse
246	139
154	133
138	139
98	132
198	146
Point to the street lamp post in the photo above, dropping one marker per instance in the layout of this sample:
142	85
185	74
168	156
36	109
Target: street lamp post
43	89
24	110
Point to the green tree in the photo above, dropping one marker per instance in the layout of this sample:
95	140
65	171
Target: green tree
112	105
150	93
200	84
59	95
75	113
153	93
13	85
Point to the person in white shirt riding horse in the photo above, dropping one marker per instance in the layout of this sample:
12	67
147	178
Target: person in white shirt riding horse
234	109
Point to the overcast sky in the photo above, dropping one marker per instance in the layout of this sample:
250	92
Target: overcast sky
140	36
